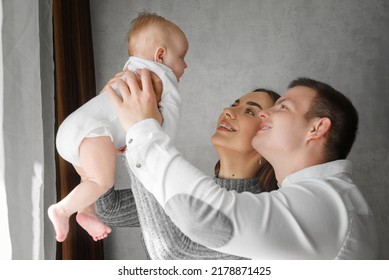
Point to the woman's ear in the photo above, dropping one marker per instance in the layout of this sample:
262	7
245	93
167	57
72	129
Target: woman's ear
319	128
159	54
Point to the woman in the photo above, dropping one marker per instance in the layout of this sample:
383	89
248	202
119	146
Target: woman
240	169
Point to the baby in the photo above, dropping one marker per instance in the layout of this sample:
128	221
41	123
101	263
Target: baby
90	137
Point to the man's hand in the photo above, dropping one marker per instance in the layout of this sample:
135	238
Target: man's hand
113	81
155	80
138	103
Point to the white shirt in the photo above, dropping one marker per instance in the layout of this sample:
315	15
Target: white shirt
317	213
98	117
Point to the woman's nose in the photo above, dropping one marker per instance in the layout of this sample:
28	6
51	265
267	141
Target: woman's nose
229	112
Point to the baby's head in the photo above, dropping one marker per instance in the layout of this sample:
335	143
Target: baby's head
155	38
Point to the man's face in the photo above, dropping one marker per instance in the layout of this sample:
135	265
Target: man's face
284	128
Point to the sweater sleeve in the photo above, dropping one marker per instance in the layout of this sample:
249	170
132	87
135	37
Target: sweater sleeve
117	208
162	238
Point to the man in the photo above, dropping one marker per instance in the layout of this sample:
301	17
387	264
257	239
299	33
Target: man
317	213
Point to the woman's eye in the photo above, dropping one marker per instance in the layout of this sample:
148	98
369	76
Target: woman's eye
283	106
250	112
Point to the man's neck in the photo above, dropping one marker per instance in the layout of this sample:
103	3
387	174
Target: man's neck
285	167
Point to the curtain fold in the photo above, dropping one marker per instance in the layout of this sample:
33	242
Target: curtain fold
27	157
5	238
74	85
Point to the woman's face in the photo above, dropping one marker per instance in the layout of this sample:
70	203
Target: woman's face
238	123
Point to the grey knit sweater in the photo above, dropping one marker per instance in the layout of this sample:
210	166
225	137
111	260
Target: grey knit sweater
162	239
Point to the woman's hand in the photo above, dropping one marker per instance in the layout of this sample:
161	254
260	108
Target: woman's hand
137	102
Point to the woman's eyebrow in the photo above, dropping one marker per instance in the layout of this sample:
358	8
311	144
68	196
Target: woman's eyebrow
252	103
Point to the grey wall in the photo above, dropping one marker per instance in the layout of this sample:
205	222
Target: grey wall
236	46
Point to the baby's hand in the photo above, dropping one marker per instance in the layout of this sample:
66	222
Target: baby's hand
121	150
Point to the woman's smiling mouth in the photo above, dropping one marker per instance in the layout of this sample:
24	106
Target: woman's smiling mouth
226	127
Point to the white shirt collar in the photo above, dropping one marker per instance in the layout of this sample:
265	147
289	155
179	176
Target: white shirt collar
319	171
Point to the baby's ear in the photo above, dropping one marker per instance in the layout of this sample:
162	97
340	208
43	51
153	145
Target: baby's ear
159	54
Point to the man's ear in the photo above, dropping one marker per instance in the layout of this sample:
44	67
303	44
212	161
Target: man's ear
319	128
159	54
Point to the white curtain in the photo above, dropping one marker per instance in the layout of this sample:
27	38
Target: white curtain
5	239
27	175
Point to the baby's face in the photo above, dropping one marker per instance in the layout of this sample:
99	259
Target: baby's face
175	55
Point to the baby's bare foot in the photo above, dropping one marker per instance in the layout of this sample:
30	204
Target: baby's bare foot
93	226
60	221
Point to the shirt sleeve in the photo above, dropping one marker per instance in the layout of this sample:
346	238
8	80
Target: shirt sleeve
281	227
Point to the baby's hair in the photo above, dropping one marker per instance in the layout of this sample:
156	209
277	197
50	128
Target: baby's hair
140	23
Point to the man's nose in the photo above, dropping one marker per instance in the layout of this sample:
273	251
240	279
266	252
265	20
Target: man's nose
263	114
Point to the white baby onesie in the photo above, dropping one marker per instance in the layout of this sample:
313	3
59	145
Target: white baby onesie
98	117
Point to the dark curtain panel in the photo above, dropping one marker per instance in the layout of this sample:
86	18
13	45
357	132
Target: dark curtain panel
74	85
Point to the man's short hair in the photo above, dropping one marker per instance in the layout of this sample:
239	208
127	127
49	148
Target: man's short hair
334	105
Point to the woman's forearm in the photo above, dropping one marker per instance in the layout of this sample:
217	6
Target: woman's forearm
162	238
117	208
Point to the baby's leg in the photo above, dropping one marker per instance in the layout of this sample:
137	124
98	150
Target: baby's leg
98	159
